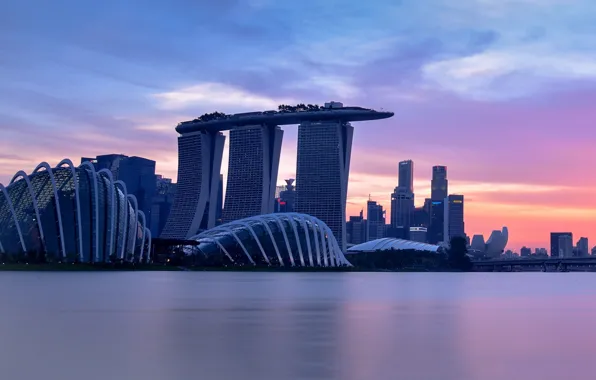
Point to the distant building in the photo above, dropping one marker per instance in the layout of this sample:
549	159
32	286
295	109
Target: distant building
356	229
594	250
439	183
375	220
554	242
541	252
287	197
406	175
453	225
418	234
420	217
437	222
137	173
402	208
583	247
478	243
565	246
162	204
525	252
278	190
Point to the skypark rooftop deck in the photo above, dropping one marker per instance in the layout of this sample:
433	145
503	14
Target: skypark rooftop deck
283	116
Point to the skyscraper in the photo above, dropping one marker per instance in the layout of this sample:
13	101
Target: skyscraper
453	225
555	248
583	247
323	167
406	175
375	220
439	183
565	246
195	204
287	197
162	204
437	220
356	229
252	171
137	173
402	208
525	251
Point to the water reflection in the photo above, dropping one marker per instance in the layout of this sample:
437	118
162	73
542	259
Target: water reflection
297	326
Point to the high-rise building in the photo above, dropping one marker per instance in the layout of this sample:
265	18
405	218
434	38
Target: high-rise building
356	229
323	167
278	190
287	197
252	171
437	221
196	201
375	220
402	209
583	248
137	173
418	234
565	246
541	252
439	183
406	175
555	250
594	250
420	217
453	225
525	252
162	204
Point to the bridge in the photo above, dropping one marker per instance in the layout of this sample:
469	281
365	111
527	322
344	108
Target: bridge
543	264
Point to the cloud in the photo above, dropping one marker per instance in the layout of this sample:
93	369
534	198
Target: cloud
209	95
484	75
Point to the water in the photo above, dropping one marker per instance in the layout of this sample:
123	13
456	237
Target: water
184	325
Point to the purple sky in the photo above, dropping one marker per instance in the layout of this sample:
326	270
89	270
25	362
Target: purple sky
503	92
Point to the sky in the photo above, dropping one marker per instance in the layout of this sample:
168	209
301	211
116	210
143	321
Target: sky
502	92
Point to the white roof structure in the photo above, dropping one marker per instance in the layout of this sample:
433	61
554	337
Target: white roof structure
387	244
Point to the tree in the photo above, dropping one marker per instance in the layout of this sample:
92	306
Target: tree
457	254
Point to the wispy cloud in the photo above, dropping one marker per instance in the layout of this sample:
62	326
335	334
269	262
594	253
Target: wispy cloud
484	75
210	95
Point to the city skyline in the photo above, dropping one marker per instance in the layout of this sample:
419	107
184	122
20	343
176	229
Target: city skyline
498	130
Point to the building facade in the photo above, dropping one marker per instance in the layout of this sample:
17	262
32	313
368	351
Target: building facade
195	205
287	197
439	183
252	171
583	247
418	234
437	222
402	209
565	246
555	248
137	173
162	204
323	166
406	175
375	221
356	229
453	225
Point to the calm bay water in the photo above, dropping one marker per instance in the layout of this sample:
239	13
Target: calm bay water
185	325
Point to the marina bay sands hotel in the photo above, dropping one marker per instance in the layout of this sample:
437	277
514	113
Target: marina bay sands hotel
323	164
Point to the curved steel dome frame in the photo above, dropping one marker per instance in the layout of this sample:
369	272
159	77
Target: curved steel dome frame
69	213
387	244
281	239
